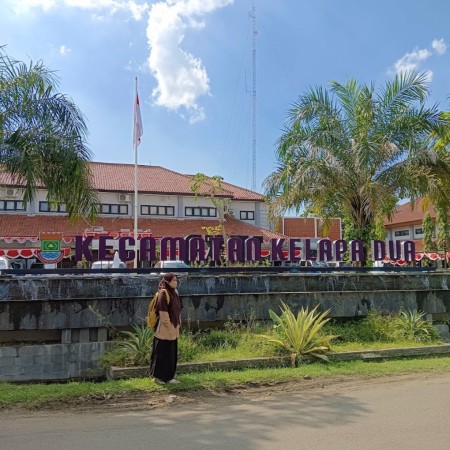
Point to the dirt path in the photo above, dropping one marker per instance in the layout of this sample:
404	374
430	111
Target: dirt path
141	401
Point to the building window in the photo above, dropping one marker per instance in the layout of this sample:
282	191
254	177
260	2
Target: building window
108	208
418	231
401	233
52	207
11	205
153	210
247	215
200	211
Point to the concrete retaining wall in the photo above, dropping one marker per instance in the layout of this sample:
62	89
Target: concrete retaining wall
74	312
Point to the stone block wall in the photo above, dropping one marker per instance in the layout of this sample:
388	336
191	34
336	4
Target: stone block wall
51	362
80	302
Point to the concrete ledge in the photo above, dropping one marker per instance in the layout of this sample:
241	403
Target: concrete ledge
116	373
371	357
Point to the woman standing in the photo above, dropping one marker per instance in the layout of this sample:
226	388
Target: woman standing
163	361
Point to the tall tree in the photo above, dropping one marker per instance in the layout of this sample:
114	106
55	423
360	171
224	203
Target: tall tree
352	152
429	228
43	138
211	187
443	233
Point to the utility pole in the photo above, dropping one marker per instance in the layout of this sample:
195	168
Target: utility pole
252	14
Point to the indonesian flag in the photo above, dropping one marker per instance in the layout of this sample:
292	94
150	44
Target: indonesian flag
137	128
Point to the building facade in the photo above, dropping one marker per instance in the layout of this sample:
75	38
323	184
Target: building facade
309	227
406	224
167	207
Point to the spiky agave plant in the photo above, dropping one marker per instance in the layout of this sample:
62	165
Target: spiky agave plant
137	342
300	335
415	326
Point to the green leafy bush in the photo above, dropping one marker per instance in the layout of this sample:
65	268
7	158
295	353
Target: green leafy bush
188	348
348	331
378	327
375	327
117	357
243	323
218	339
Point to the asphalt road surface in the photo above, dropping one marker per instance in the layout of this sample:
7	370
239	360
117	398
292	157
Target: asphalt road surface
396	413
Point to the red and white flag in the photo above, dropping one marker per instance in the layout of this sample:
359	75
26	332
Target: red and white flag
137	128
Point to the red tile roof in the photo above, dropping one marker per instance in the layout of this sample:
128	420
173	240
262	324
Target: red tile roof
16	225
238	228
114	177
240	193
405	214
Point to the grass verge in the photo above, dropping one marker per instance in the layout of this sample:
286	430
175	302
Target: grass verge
34	396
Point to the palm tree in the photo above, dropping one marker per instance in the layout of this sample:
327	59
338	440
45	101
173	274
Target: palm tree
43	138
353	152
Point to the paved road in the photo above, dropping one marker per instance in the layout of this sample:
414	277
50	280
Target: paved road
399	413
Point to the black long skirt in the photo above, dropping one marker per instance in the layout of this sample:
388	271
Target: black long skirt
163	361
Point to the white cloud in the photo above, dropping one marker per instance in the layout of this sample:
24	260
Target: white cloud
137	10
63	50
136	67
414	60
439	46
23	6
181	77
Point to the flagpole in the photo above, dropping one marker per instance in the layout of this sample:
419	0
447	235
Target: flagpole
135	184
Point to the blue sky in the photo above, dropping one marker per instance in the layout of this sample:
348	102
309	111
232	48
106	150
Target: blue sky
193	60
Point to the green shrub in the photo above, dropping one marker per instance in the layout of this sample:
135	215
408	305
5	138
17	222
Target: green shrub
218	340
348	331
378	327
372	328
119	358
188	349
246	323
405	326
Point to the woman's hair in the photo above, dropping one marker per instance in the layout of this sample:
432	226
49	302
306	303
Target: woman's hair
174	308
168	277
165	280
